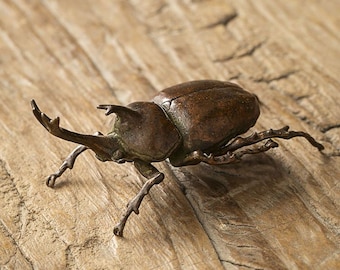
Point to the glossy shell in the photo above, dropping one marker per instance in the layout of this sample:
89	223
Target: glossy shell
147	133
208	114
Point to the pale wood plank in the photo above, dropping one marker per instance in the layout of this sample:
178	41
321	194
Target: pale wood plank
279	210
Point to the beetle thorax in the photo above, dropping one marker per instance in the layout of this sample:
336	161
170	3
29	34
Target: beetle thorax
145	133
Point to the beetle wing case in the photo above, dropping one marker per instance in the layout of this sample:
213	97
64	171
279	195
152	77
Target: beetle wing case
208	113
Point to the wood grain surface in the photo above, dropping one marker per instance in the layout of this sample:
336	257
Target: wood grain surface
276	210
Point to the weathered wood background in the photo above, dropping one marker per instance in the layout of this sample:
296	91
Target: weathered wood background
278	210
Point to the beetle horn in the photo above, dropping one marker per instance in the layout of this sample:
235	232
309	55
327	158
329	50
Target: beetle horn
121	111
102	145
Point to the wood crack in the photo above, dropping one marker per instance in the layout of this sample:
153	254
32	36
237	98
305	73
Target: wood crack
252	49
329	127
69	258
241	265
239	55
225	20
8	186
16	245
277	78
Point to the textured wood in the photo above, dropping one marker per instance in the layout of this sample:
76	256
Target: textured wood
278	210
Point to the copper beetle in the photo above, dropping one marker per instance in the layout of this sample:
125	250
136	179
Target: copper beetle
188	123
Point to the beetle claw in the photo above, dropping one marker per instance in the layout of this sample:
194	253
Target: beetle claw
51	180
118	229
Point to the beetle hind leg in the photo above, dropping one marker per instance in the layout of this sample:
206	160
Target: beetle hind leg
282	133
232	152
227	153
231	157
227	158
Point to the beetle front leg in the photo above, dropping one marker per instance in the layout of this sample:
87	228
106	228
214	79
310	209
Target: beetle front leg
155	177
67	164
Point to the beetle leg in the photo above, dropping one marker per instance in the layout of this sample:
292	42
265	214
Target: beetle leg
67	164
154	177
282	133
229	157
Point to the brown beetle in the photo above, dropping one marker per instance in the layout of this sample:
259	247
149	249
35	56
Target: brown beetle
189	123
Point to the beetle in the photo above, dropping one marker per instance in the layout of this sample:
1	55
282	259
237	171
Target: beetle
189	123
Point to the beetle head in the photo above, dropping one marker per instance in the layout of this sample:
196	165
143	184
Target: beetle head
107	148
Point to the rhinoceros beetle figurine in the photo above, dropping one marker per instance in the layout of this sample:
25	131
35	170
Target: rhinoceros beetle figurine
189	123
